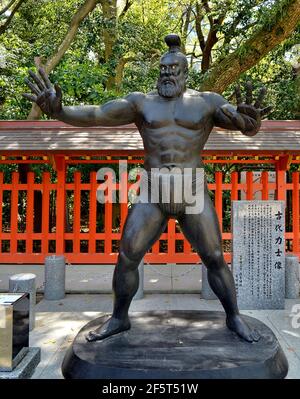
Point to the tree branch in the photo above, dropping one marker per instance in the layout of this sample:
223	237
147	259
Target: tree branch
211	40
208	11
9	19
128	4
198	19
7	7
52	62
277	28
120	68
185	27
193	55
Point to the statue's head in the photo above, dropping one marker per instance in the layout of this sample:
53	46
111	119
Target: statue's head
173	69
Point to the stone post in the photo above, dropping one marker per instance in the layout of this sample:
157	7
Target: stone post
140	292
25	282
55	276
291	277
207	292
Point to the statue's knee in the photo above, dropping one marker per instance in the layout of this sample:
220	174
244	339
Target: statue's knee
214	259
130	259
133	247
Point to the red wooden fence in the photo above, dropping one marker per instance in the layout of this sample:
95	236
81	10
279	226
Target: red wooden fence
86	240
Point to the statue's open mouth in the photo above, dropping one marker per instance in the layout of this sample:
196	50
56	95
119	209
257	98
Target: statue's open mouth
168	81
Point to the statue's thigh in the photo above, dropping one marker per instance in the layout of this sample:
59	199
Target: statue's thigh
144	225
203	231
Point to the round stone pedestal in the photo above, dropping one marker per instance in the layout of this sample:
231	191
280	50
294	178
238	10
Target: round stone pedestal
175	344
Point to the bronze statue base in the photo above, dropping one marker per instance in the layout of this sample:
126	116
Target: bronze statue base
175	345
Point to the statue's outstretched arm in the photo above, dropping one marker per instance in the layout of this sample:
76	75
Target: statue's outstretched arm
245	117
49	99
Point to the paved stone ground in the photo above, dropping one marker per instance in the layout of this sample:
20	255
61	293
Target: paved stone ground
91	279
89	296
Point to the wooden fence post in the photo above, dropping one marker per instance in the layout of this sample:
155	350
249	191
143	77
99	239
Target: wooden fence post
60	204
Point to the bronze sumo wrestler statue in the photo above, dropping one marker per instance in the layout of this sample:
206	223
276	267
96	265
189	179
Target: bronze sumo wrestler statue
175	123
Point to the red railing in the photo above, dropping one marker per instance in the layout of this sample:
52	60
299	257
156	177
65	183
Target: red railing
90	233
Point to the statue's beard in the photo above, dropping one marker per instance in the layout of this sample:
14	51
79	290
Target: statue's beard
170	87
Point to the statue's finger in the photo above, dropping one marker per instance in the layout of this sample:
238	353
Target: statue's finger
266	110
34	89
29	97
37	80
45	78
238	94
58	91
249	89
260	97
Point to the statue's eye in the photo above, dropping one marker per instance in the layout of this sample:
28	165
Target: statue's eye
173	67
163	68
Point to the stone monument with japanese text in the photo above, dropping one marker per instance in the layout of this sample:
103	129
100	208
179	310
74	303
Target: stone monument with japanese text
258	261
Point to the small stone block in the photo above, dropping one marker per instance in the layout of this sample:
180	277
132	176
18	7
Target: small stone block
25	282
26	367
55	277
140	292
291	277
206	292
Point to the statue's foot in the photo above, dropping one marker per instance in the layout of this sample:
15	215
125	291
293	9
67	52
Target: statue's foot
110	327
239	326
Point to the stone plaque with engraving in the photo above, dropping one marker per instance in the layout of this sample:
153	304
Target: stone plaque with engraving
258	253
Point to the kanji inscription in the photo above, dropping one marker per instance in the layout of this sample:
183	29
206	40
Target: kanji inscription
258	253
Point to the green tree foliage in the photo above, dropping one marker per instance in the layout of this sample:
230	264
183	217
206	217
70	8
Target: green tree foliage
118	44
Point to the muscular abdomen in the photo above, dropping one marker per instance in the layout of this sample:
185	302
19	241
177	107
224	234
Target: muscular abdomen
167	147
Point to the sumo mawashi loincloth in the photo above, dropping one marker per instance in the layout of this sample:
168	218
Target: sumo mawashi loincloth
175	191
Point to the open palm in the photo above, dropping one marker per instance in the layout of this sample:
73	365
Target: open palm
249	110
44	94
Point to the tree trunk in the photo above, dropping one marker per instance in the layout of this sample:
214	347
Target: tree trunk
119	71
79	16
249	54
109	9
297	85
185	27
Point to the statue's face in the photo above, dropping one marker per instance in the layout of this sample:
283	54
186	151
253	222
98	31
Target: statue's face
172	77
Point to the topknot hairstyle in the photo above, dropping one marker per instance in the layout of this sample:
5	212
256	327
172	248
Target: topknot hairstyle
173	42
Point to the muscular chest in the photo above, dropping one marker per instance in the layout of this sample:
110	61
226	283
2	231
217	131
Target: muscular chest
189	113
